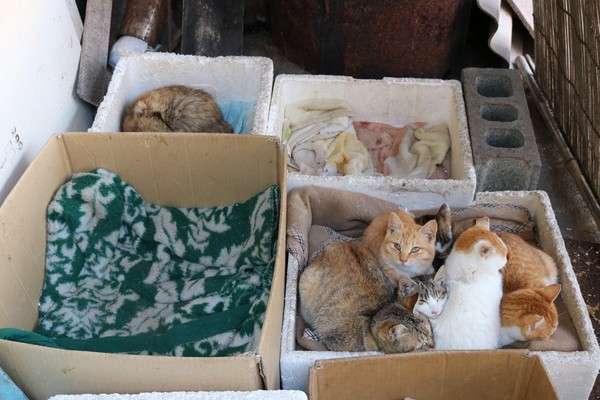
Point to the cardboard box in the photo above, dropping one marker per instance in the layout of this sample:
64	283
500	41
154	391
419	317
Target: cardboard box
227	79
456	376
573	373
395	101
209	395
176	169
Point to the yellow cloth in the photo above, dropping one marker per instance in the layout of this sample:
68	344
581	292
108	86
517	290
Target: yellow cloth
346	155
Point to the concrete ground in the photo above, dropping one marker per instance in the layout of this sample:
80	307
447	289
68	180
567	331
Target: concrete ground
580	234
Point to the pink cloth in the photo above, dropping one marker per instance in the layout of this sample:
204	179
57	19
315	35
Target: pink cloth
382	140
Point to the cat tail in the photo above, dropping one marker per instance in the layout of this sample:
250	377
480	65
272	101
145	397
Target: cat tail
310	341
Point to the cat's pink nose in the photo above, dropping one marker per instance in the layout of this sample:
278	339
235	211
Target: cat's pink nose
433	312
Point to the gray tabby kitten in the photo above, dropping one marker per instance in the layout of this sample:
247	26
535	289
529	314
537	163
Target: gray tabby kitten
433	294
396	329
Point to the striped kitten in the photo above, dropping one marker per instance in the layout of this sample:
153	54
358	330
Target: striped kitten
444	236
530	287
402	247
432	297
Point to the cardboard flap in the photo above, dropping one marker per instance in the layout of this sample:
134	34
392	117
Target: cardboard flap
432	376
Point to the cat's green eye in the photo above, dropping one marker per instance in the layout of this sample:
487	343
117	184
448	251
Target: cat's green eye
397	246
415	249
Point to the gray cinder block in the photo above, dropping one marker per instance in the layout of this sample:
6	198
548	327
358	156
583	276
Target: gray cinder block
505	154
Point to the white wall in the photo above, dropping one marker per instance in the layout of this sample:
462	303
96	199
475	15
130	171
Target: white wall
40	42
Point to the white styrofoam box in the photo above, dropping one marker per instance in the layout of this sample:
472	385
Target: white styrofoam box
395	101
227	79
573	373
208	395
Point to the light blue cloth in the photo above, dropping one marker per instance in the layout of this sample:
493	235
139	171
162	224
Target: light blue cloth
8	389
239	114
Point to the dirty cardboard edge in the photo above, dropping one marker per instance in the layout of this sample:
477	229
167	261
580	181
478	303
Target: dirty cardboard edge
269	367
196	395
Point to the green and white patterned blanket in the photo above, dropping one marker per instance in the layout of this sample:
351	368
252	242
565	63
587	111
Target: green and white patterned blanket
126	276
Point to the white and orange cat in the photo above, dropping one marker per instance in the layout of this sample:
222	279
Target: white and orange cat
402	247
471	316
530	287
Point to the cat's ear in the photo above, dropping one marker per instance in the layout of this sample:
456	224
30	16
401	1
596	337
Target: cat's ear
396	332
550	292
440	275
394	223
406	287
410	301
444	211
531	321
429	230
486	249
483	222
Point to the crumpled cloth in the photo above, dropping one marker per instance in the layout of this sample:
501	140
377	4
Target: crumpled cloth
382	139
419	153
321	139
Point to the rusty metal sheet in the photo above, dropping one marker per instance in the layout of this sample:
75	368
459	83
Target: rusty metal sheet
145	19
366	39
212	27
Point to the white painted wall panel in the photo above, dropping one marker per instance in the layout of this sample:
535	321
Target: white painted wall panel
40	42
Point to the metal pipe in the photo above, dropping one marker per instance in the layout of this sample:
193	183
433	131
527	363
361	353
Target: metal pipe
526	68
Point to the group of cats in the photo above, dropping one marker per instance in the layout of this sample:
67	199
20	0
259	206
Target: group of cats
382	292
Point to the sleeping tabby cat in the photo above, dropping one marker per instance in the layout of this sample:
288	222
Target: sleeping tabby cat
175	108
348	301
530	287
402	247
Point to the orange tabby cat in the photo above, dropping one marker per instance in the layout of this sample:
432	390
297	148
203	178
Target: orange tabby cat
403	247
349	303
530	287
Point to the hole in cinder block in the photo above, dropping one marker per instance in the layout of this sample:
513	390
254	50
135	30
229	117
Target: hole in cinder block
504	174
506	138
494	86
499	112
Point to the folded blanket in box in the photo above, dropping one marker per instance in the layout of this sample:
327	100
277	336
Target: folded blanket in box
126	276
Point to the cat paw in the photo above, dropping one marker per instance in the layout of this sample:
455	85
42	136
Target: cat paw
406	287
